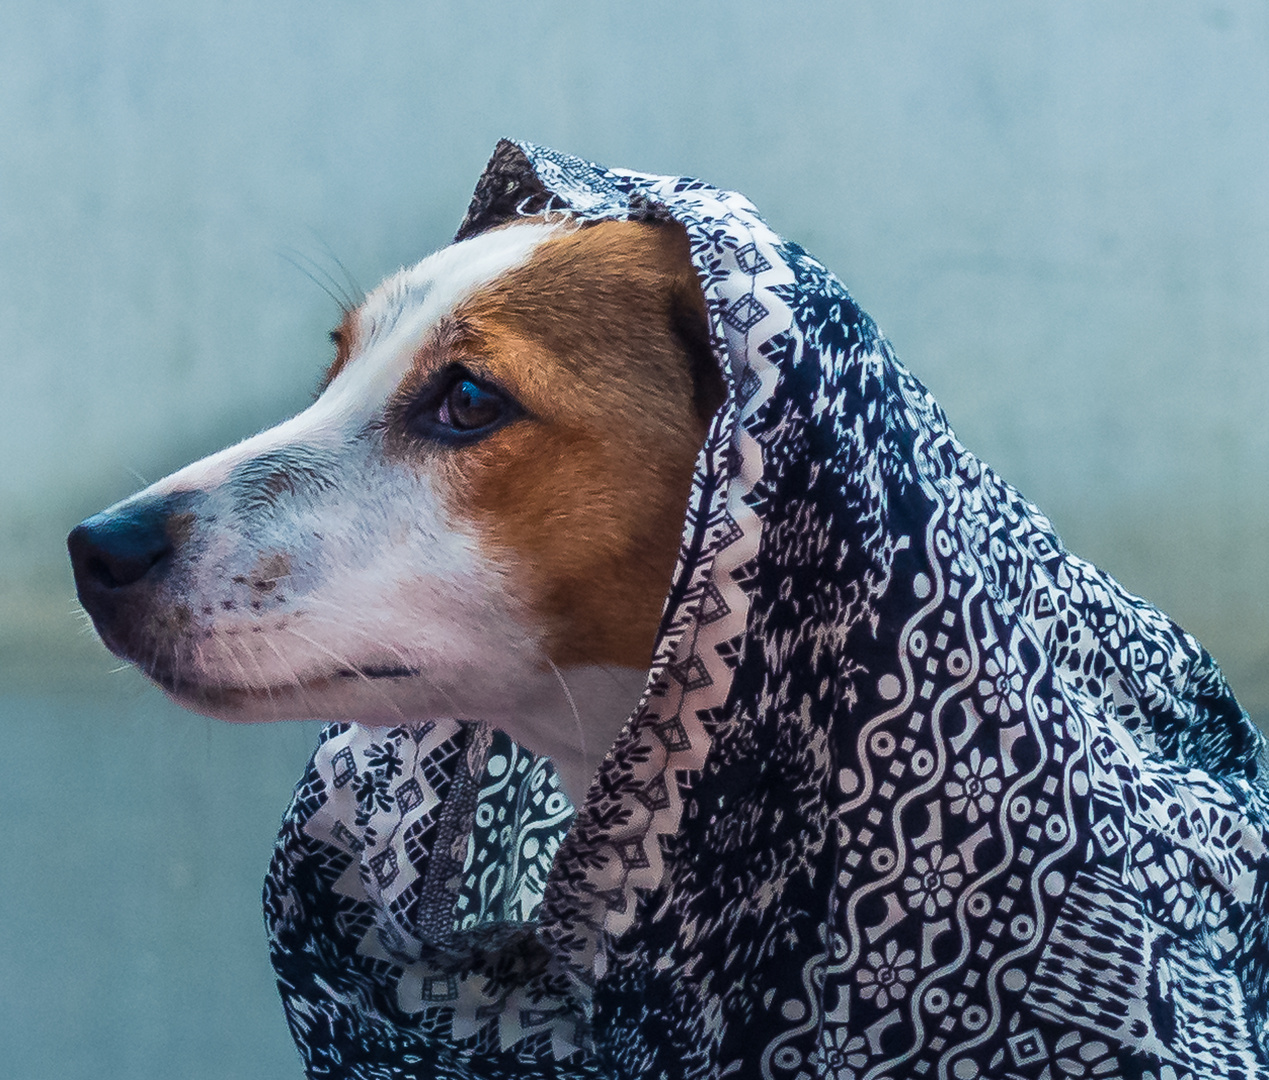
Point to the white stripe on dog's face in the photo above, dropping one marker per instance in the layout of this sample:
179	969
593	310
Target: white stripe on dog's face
390	326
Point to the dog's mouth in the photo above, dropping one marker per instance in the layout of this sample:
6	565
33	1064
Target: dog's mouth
203	695
383	671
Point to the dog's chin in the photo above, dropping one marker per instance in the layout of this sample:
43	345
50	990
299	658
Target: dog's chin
541	710
384	696
387	698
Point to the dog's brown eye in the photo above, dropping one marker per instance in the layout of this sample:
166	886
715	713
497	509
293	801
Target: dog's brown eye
460	408
469	407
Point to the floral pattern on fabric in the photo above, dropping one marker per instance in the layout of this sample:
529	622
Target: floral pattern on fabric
913	791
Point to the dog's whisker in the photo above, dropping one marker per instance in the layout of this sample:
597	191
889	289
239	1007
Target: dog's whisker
577	718
177	675
299	683
264	680
354	291
153	663
200	661
329	286
247	684
346	665
405	662
287	666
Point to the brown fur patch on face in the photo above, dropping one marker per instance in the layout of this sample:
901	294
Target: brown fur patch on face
583	500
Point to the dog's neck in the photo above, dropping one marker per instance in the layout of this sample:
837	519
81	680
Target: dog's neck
576	721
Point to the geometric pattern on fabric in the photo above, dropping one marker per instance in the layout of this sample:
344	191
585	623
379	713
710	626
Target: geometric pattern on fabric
1109	968
912	790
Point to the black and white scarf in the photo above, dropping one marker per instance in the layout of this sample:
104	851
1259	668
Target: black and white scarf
913	791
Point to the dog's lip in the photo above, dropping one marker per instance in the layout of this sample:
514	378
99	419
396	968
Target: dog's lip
197	693
192	691
377	671
235	703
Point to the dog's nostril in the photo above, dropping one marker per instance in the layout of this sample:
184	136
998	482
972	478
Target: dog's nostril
112	551
115	571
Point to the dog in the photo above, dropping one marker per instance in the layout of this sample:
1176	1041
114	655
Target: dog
895	706
478	518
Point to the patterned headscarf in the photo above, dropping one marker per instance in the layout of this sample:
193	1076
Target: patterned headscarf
912	791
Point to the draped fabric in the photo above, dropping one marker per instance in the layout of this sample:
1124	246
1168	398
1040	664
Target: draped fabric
912	792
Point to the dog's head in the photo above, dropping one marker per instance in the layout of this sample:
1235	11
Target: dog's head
489	488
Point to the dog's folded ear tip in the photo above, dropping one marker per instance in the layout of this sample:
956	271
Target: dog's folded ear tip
690	323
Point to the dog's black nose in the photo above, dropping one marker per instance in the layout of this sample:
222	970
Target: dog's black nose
117	548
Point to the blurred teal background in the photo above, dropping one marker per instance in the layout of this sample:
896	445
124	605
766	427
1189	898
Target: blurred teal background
1057	211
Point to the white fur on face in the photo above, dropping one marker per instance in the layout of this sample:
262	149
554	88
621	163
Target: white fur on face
392	323
319	578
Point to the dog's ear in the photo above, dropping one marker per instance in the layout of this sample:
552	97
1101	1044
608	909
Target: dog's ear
690	323
688	319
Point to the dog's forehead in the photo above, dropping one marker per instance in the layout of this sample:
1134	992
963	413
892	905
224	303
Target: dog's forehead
397	316
388	329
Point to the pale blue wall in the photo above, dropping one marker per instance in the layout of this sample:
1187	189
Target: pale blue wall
1058	212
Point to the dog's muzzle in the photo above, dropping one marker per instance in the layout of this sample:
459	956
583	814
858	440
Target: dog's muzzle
119	557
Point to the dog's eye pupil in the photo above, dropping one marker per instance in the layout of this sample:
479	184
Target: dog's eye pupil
460	408
469	406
